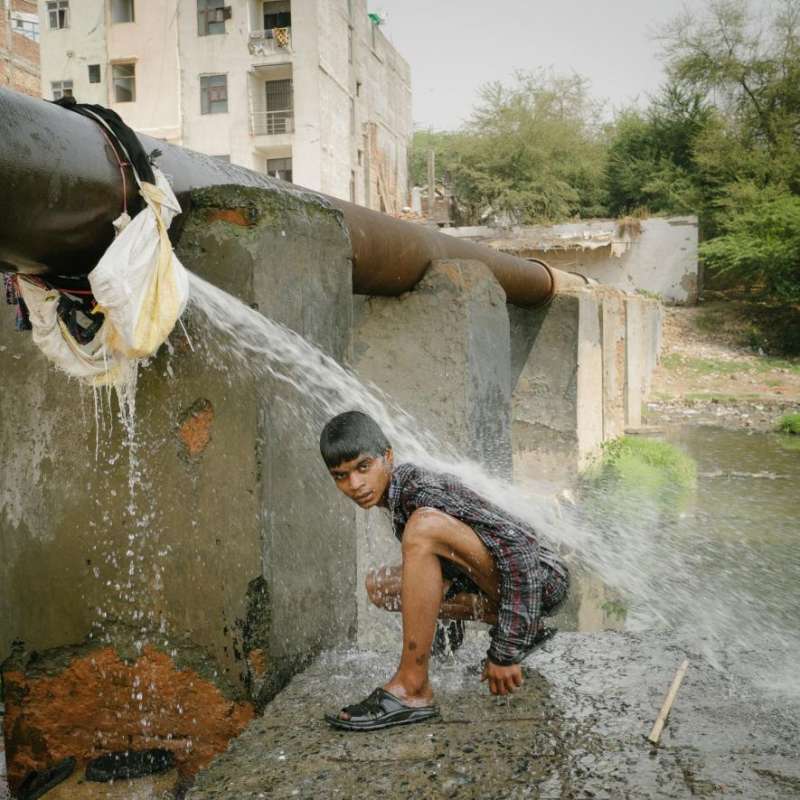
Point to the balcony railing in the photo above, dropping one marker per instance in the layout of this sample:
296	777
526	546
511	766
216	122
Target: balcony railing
274	40
271	123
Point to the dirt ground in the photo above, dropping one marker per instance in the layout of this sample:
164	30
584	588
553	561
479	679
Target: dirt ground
711	370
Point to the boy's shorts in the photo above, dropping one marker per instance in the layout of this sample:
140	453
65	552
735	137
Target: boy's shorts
555	586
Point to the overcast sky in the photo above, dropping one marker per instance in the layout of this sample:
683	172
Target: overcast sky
454	46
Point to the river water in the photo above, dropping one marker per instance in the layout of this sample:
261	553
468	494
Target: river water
747	506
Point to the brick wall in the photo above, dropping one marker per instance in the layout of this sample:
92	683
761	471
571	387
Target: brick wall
19	68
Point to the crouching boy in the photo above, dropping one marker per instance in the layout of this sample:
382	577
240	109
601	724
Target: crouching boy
462	558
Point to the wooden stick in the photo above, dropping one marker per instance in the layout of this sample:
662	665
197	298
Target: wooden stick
661	719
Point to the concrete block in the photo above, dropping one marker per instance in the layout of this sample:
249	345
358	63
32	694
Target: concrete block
210	533
634	360
653	320
613	329
558	400
443	353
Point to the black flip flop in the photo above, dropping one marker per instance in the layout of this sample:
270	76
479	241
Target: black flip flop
380	710
38	782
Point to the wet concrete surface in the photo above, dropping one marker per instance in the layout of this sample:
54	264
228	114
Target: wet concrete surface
576	729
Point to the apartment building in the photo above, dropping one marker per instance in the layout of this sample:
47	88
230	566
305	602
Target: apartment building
19	46
309	91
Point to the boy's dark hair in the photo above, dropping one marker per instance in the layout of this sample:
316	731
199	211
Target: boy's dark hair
348	435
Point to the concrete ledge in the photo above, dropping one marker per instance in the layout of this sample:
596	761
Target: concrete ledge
575	729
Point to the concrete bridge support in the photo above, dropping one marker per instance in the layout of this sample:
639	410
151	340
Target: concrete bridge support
558	398
160	592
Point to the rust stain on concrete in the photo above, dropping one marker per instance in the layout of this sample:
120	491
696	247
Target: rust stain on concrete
235	216
194	429
99	703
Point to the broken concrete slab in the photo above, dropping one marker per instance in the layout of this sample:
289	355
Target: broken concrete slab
657	255
576	729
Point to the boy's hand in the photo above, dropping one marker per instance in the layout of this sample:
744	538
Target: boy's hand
502	680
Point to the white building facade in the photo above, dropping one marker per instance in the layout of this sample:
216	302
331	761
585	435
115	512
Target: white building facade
310	91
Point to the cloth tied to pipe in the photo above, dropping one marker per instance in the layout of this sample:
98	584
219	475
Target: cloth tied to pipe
140	287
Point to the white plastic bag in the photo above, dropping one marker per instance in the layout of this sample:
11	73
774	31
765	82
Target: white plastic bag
139	284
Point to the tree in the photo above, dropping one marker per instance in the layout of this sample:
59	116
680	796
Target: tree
750	69
760	245
532	151
650	163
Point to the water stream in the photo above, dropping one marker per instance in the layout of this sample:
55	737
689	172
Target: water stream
724	570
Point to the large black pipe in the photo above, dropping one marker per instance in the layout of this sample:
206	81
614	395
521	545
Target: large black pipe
62	187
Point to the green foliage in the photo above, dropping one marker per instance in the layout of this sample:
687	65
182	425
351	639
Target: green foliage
760	244
649	162
532	151
641	461
635	472
790	423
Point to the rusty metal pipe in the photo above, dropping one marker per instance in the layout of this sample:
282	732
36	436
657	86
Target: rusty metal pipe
63	187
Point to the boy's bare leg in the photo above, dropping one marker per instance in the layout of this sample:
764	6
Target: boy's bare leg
383	589
428	535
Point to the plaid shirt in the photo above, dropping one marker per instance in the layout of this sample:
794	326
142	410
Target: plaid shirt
524	564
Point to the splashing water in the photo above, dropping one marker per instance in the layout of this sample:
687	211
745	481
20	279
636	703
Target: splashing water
677	576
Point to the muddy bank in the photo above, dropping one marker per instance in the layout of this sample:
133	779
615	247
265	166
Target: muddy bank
576	729
730	413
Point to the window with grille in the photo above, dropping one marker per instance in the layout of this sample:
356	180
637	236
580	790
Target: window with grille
29	28
211	16
122	11
94	73
277	15
280	168
61	89
214	94
279	99
124	81
58	14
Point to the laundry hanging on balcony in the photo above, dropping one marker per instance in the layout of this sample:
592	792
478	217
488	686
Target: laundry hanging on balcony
281	37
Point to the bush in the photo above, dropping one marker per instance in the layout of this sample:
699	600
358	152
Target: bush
790	423
760	246
635	470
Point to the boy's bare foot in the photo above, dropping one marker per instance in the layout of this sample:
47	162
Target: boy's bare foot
411	696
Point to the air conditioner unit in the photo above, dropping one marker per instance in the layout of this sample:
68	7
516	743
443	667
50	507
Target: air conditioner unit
227	12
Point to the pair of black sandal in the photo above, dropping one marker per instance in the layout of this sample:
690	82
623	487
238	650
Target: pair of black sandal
382	709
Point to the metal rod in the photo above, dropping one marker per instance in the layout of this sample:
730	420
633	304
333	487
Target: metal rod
62	189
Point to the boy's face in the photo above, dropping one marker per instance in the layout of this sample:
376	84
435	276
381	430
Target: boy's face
365	478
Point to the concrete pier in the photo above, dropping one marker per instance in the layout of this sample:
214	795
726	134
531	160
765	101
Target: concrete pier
181	556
